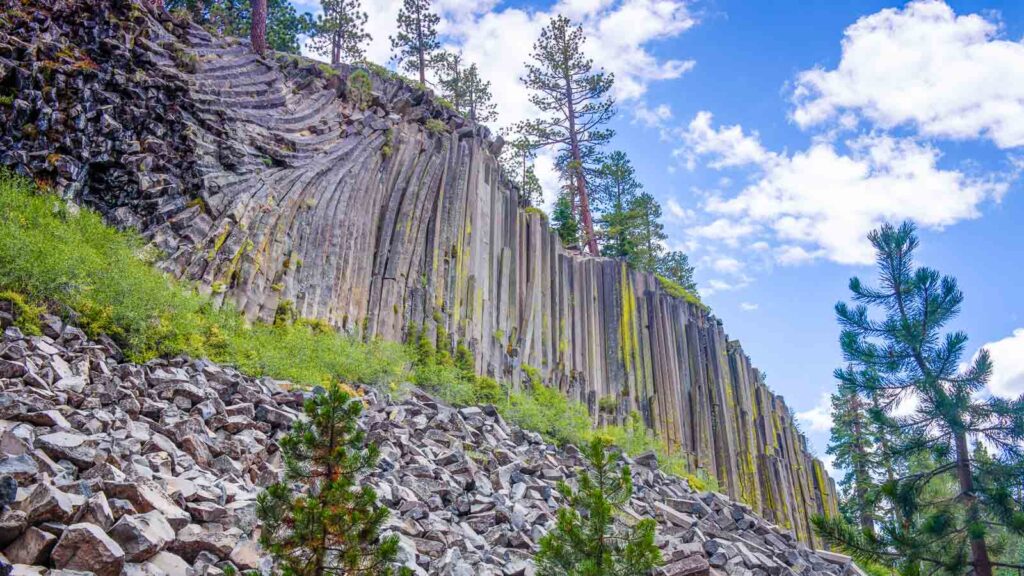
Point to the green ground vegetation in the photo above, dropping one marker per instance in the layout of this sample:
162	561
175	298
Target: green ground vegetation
60	257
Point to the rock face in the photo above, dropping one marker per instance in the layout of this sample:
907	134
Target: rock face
265	182
468	493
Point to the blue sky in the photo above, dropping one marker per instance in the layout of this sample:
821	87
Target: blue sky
776	134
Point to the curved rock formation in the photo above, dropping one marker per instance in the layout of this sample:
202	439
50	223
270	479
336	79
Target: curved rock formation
268	182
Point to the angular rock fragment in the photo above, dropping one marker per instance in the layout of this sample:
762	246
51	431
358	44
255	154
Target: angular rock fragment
87	548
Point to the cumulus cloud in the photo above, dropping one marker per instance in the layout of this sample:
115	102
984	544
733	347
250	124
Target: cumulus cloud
1008	365
748	306
822	201
655	117
726	146
944	74
677	212
818	418
727	265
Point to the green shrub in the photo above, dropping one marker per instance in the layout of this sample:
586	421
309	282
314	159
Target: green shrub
674	289
435	126
360	89
26	314
549	412
536	211
67	259
327	70
608	404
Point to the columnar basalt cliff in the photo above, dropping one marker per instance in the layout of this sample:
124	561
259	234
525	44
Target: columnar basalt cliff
266	182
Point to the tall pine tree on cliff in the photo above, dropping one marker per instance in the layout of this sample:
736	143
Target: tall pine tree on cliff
574	97
341	31
477	101
416	40
331	525
649	232
905	344
517	162
614	192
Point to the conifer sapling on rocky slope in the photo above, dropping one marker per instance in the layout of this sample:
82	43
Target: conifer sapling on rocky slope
585	540
330	525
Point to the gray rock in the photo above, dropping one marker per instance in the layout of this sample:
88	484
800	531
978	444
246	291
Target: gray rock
142	535
33	547
85	547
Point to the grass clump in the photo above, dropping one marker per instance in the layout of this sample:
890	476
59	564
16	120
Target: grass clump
65	258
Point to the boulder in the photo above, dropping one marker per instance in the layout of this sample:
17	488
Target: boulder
87	548
142	535
33	547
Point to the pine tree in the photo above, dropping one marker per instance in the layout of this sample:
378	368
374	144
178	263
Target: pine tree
563	219
330	525
341	31
477	101
416	40
676	267
649	232
462	85
448	68
585	540
574	97
913	356
852	448
614	191
517	163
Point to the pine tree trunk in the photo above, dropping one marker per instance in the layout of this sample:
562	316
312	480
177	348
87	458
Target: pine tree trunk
419	49
979	550
581	184
258	31
336	48
867	521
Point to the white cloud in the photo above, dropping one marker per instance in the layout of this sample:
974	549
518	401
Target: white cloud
724	229
677	212
727	265
652	117
822	201
728	146
946	75
819	418
1007	365
748	306
829	462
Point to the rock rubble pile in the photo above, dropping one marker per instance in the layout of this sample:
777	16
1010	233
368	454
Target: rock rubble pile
110	468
